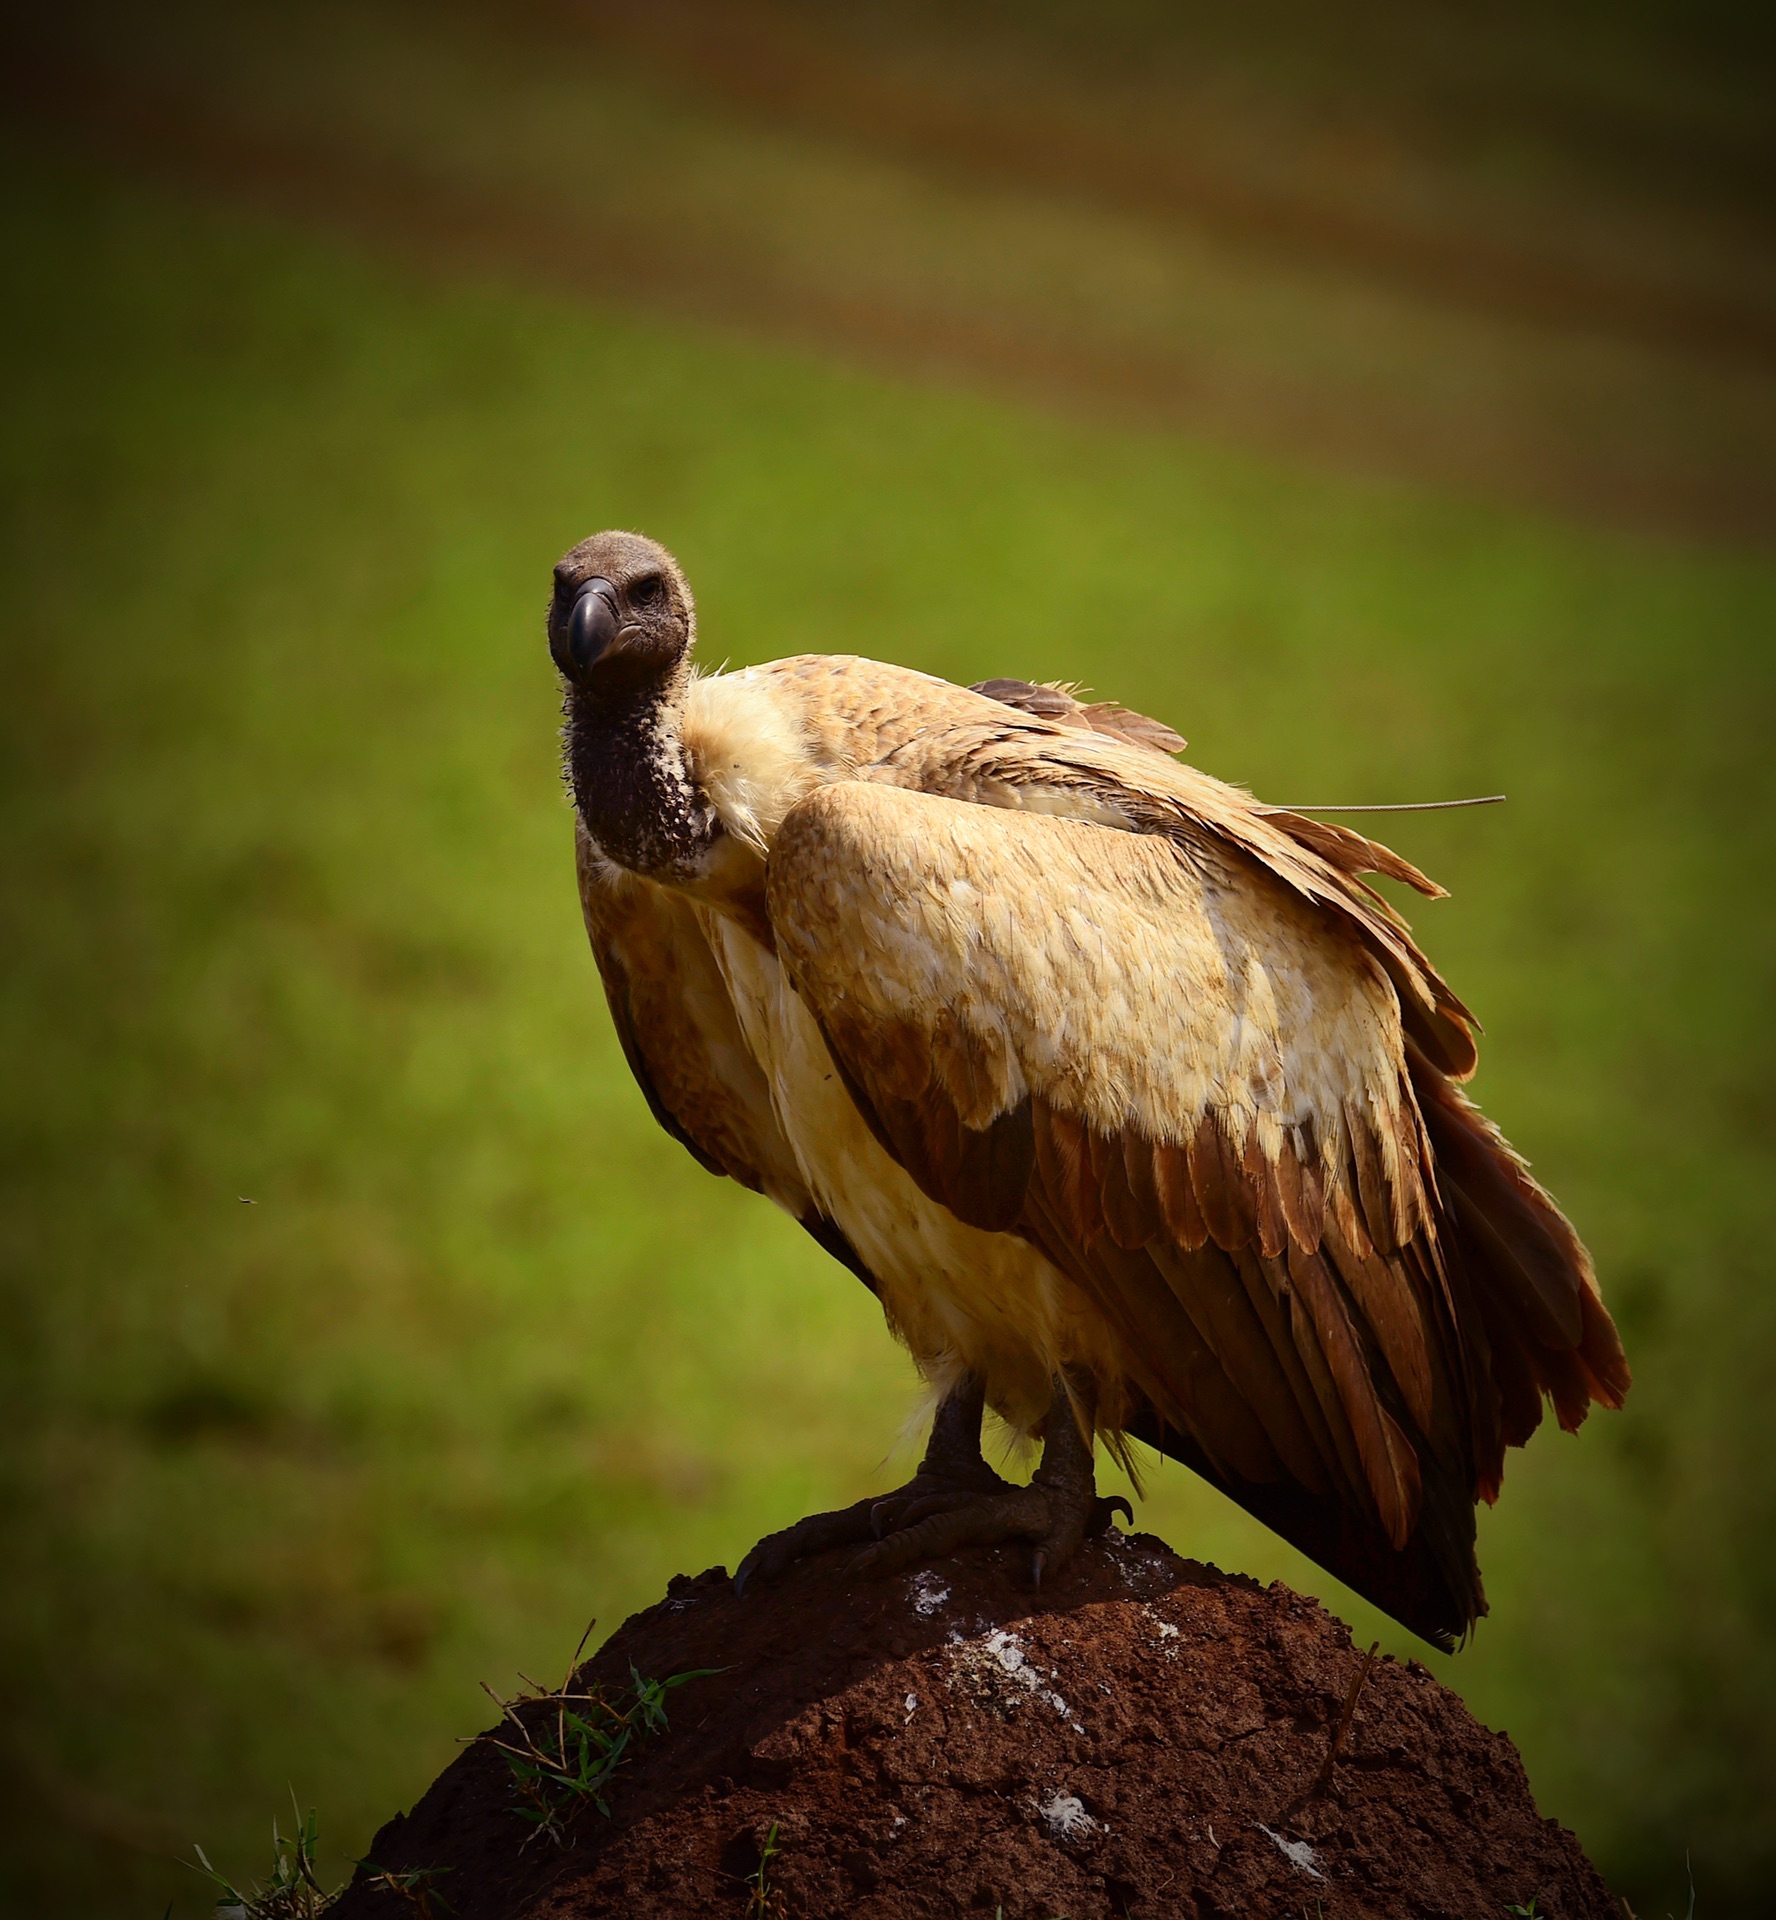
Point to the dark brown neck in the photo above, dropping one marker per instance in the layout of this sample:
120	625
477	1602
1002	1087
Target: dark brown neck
631	782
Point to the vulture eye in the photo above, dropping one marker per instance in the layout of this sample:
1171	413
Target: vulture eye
648	594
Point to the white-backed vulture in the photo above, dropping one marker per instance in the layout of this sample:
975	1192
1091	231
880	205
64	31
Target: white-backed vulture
1136	1108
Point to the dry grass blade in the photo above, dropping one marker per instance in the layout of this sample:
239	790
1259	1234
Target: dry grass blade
411	1888
1361	1679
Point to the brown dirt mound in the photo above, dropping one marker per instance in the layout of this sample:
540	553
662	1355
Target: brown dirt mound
1143	1740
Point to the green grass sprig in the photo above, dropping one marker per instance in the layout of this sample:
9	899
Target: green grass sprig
293	1891
562	1760
764	1901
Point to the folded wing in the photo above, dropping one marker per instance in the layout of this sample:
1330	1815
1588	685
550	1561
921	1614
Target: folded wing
1185	1075
679	1034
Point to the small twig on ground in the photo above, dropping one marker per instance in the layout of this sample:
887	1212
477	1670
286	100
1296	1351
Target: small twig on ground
1323	1779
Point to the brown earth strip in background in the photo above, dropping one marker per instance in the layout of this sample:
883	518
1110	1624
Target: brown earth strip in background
771	58
440	221
1627	434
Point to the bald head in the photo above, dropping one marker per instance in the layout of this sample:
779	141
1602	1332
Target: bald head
621	615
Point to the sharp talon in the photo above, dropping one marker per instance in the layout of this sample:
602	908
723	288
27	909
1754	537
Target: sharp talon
1105	1511
934	1515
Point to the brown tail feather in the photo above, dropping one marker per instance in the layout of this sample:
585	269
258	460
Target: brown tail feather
1431	1585
1533	1281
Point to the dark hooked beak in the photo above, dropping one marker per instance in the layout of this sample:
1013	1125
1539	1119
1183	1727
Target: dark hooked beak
578	636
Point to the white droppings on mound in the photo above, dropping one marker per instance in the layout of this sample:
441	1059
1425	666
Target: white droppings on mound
1297	1852
998	1670
1137	1564
1166	1632
928	1592
1066	1818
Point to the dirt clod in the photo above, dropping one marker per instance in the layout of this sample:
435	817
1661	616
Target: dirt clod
1147	1738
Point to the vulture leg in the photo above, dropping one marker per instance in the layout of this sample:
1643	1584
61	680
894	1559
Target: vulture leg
953	1473
956	1500
1055	1512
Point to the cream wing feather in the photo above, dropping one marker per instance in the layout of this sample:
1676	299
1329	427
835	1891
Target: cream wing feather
1184	1075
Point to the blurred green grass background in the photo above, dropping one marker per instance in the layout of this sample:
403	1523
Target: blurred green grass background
362	1336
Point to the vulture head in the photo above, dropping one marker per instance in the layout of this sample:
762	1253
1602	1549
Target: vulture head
621	623
621	629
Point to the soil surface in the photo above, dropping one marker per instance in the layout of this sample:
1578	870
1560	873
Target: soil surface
1147	1738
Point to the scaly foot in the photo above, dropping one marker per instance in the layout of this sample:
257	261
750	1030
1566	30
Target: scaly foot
956	1500
952	1473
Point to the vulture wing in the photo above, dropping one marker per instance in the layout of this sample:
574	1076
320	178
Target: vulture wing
1176	1061
1061	704
678	1032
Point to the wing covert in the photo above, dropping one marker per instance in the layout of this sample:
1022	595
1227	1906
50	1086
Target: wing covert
1186	1080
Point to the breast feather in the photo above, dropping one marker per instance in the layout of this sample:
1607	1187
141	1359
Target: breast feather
957	1297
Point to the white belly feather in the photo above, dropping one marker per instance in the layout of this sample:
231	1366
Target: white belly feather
958	1297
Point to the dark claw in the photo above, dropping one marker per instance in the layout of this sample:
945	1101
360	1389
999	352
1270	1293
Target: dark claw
1105	1511
819	1533
752	1568
894	1512
956	1500
923	1509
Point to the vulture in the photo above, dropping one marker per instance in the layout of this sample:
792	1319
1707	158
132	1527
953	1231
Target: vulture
1137	1109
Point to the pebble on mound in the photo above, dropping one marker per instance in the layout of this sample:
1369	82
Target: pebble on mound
1149	1738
